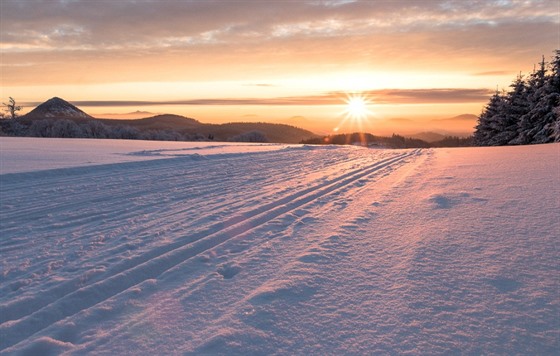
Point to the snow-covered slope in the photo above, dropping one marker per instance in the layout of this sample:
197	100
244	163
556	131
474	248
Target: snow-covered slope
26	154
57	108
296	250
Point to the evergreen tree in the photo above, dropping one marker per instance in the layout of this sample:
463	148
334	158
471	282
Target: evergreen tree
553	124
515	105
529	113
488	120
532	124
545	114
556	126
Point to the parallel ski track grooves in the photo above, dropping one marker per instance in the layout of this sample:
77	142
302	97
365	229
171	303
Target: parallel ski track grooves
155	262
141	168
212	192
11	311
173	216
77	201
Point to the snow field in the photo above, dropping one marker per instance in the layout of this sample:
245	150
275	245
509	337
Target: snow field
26	154
298	250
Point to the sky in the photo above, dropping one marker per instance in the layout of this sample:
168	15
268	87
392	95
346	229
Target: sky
275	61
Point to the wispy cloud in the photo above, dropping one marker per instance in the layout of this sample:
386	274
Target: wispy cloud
131	24
493	72
379	97
429	96
61	43
262	85
126	25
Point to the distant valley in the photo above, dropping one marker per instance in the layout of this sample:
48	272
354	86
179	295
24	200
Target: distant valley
58	118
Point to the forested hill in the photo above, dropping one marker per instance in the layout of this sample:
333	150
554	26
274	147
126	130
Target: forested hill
58	118
528	113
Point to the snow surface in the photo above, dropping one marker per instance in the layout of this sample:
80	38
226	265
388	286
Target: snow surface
290	250
24	154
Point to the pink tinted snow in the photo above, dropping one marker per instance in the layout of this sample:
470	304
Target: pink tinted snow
294	251
23	154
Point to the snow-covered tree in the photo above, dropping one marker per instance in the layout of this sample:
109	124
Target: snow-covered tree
66	129
40	128
528	113
488	120
536	125
552	125
556	126
518	105
252	136
95	129
125	132
162	135
514	106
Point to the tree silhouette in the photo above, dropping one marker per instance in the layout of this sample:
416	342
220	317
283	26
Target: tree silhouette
12	108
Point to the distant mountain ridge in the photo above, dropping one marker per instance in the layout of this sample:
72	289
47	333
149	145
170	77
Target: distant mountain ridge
428	136
167	125
184	128
464	117
129	115
160	122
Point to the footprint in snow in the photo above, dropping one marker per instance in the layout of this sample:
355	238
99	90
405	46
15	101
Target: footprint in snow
229	270
340	204
312	258
504	285
442	202
448	201
350	227
362	220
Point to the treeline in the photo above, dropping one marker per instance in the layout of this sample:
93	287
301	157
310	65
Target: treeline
65	128
395	141
526	114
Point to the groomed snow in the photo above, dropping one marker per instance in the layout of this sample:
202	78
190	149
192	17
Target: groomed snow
24	154
130	247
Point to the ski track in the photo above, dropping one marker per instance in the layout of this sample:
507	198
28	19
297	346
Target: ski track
134	234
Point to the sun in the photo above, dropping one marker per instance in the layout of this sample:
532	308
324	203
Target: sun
356	114
357	107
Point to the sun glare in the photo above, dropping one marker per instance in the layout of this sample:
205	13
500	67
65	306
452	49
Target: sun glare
357	107
356	114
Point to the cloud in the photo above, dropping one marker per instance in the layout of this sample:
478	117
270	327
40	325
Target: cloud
493	72
69	42
136	25
379	97
263	85
429	96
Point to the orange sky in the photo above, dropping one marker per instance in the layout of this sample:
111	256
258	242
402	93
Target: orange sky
275	61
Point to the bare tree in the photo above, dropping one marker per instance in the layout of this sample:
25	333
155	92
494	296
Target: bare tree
12	108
